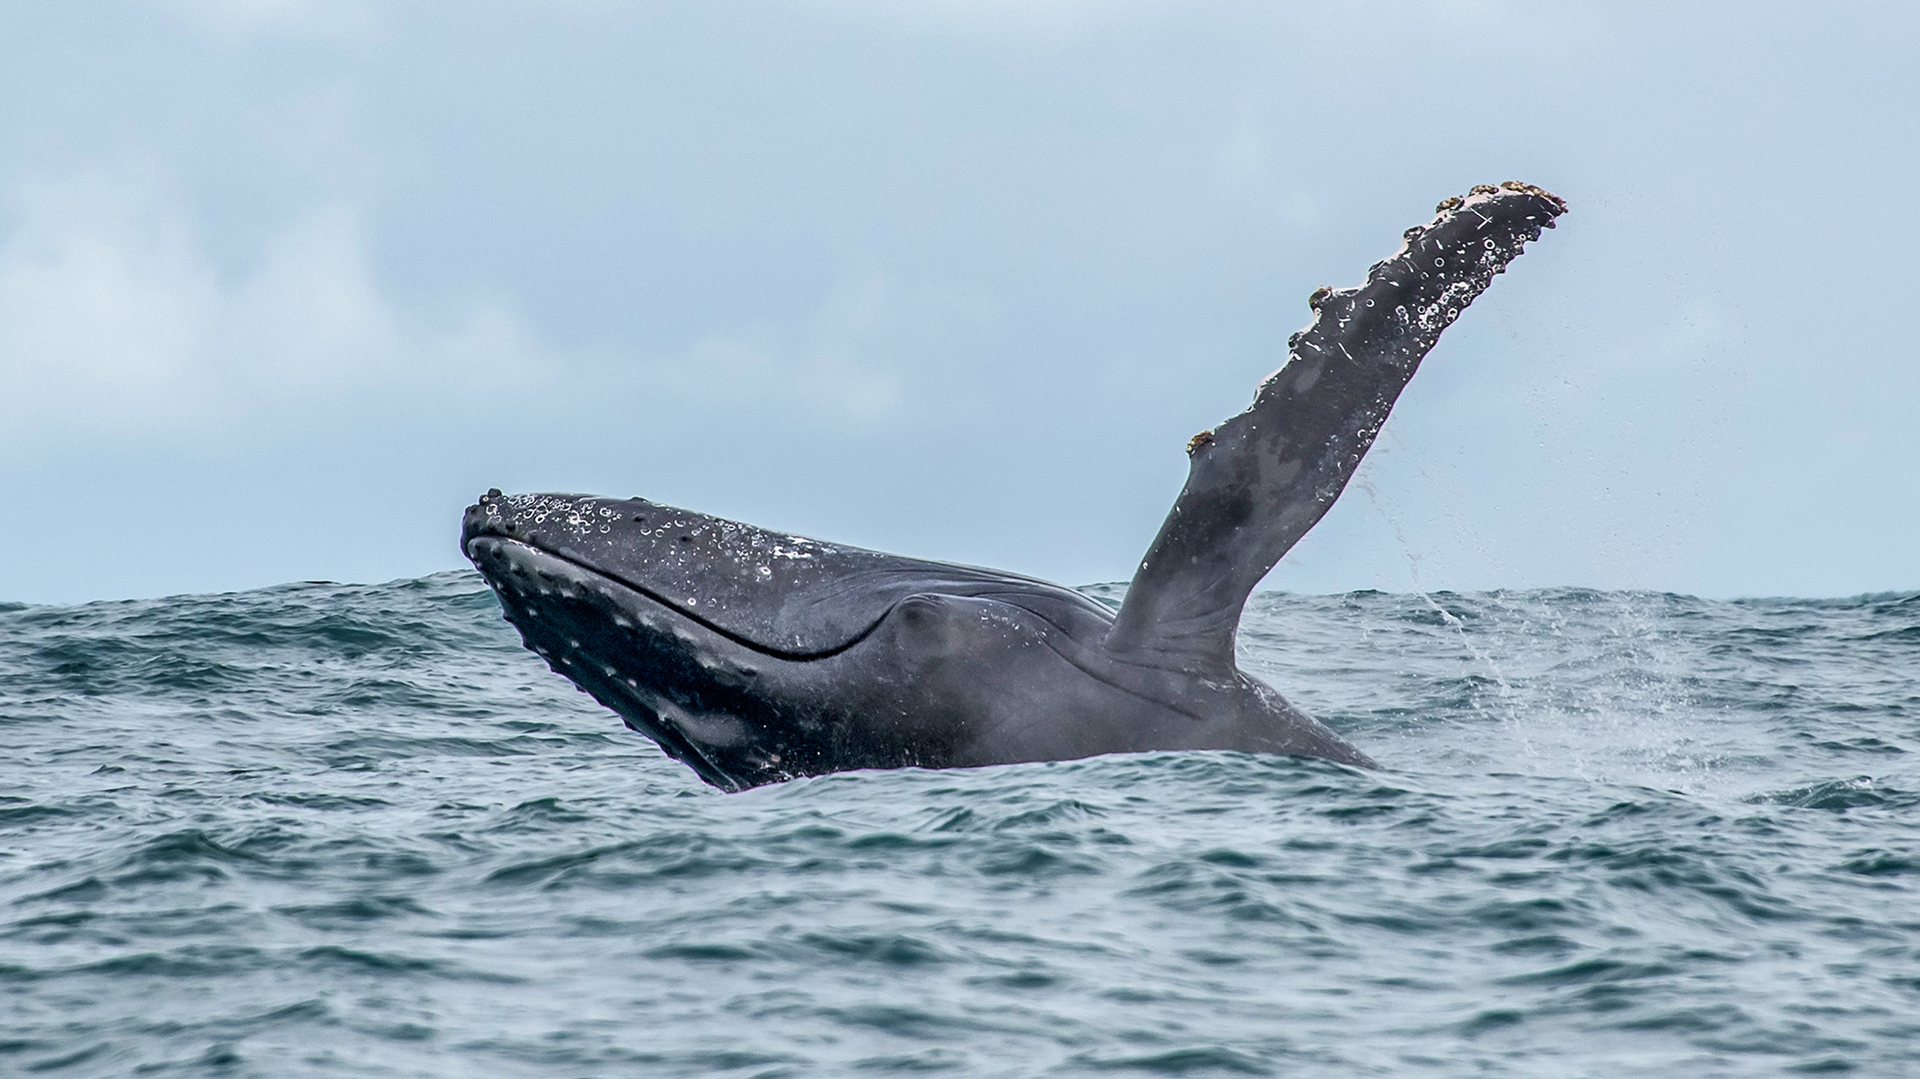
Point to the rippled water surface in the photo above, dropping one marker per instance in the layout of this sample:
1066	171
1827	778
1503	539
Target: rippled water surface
326	830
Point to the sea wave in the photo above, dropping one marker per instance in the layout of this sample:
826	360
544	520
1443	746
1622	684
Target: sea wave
357	830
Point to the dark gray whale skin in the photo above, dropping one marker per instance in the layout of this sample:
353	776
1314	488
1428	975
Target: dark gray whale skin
753	656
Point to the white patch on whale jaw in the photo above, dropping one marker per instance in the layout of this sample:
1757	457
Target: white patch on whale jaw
717	729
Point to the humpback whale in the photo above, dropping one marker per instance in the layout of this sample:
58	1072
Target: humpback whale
754	656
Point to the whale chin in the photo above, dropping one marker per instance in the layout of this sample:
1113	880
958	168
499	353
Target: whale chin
610	641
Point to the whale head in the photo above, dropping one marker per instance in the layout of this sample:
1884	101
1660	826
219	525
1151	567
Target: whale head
651	610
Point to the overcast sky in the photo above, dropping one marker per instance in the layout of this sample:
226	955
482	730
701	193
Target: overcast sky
284	285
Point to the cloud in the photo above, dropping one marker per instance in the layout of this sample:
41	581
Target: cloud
1050	18
116	321
339	20
113	318
871	351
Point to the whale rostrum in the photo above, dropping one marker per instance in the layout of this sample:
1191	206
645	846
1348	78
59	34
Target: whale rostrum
754	656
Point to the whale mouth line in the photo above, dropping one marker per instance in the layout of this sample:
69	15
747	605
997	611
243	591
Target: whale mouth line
676	609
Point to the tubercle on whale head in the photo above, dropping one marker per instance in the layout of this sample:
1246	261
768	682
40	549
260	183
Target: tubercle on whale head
481	518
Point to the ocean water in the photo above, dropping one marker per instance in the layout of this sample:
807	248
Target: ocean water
327	830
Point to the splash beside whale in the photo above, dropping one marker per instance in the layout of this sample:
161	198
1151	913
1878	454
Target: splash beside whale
753	656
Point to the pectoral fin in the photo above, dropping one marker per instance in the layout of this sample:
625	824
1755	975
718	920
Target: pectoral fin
1260	480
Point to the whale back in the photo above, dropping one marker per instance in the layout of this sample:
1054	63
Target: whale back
786	595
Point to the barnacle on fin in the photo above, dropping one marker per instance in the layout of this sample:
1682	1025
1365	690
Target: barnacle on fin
1558	202
1198	441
